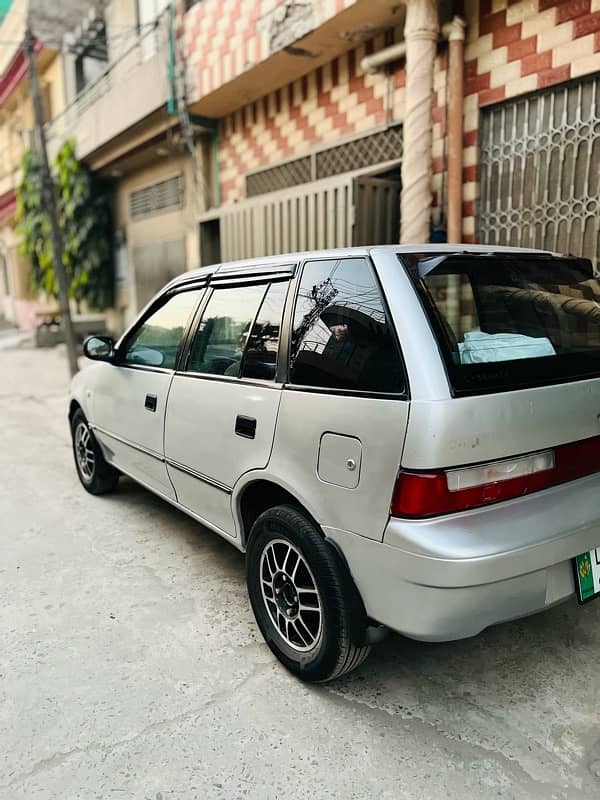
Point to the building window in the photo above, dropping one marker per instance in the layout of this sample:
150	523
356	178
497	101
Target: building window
158	198
90	50
87	70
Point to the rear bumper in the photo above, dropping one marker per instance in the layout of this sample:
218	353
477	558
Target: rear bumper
451	577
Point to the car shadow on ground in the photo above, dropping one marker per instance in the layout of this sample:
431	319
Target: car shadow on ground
526	688
529	645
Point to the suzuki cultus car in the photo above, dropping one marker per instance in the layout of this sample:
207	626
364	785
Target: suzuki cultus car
396	437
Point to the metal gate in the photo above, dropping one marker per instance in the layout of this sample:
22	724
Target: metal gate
336	212
540	170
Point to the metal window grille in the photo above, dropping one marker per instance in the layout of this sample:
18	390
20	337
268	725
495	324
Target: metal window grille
282	176
366	151
540	170
163	196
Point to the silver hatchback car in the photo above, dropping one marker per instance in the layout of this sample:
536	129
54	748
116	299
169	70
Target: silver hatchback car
397	437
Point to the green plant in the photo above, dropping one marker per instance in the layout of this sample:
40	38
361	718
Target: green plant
85	223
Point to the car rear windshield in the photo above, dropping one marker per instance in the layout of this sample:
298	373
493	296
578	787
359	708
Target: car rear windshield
510	321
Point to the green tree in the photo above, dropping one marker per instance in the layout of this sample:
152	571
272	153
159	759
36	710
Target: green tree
86	226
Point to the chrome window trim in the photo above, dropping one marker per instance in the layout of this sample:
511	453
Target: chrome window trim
143	367
209	376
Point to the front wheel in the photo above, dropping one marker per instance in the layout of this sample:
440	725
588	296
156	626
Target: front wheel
301	597
97	476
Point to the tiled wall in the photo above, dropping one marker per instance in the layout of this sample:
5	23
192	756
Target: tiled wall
512	48
223	38
336	101
516	47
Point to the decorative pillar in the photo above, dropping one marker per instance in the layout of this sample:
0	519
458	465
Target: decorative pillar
421	30
456	59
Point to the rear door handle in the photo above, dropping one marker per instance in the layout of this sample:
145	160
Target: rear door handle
245	426
150	403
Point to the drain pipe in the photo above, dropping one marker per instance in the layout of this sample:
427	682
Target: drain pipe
456	60
372	63
397	52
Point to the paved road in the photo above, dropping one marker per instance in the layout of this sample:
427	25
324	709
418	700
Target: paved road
130	665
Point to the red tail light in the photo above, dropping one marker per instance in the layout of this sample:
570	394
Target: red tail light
429	494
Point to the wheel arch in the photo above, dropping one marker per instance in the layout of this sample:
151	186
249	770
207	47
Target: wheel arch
74	405
259	493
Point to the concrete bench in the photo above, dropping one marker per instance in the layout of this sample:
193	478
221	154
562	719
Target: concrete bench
49	331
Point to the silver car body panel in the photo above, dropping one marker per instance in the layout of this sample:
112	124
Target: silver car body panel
435	579
472	430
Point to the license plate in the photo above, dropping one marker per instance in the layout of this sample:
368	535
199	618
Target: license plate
587	575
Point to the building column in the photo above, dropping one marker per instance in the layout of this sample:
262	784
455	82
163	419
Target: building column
421	30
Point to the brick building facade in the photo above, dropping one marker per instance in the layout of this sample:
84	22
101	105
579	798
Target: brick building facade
512	49
253	127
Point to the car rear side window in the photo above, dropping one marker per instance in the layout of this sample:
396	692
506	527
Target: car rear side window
221	337
260	358
156	342
341	335
506	321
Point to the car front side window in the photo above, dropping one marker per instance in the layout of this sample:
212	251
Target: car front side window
155	343
220	340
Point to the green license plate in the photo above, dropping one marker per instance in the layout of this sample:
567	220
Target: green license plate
587	575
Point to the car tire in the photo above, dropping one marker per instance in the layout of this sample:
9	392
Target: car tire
302	596
97	476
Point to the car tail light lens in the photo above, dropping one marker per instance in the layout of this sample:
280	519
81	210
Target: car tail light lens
428	494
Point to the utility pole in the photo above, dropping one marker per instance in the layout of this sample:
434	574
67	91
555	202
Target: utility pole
49	201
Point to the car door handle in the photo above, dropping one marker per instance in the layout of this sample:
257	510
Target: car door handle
150	403
245	426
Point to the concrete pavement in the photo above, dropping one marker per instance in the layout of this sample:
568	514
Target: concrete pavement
131	667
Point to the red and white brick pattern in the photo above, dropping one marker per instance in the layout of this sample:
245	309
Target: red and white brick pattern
516	47
332	103
224	38
512	48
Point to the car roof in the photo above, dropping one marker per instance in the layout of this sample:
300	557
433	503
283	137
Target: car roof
250	264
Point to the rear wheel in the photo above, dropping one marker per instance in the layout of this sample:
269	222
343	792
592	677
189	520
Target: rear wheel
95	473
301	597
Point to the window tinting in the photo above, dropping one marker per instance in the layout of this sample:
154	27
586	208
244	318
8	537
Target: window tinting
221	337
260	359
156	342
508	321
341	337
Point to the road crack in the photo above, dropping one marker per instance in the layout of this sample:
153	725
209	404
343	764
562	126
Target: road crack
58	759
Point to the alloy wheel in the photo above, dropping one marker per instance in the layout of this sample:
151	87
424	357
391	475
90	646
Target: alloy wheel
290	594
84	451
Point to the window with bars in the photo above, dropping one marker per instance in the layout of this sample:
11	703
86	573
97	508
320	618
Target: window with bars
540	170
366	151
157	198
